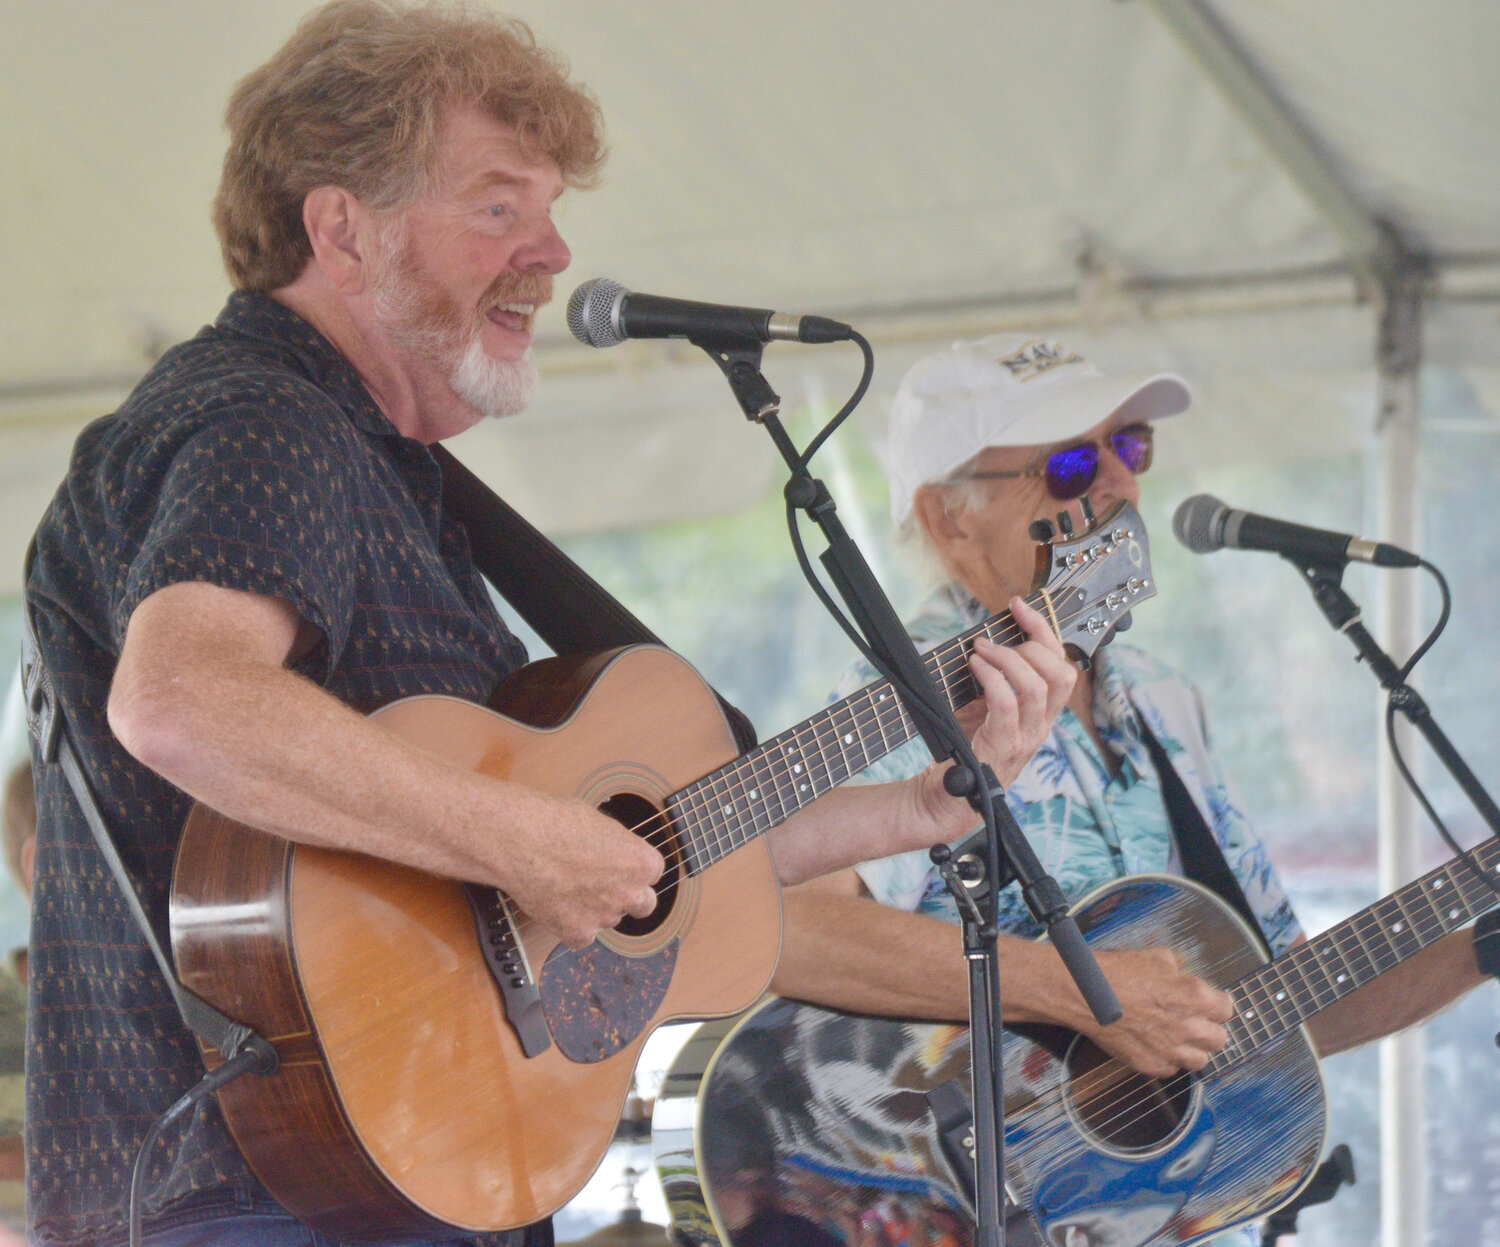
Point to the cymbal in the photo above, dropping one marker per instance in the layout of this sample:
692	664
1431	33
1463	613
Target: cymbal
631	1230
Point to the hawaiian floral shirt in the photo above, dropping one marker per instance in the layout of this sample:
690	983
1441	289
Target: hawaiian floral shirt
1086	826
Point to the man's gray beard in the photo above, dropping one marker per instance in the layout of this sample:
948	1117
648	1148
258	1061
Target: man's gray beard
495	388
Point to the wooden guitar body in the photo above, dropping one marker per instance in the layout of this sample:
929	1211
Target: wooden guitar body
404	1101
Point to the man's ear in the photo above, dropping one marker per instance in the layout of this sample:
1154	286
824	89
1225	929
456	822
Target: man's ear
338	227
944	526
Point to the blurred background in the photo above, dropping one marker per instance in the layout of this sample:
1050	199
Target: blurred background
1295	206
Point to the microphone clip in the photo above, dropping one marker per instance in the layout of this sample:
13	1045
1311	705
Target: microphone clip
740	363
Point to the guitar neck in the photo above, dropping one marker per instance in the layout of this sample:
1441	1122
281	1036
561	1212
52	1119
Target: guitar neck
726	810
1291	989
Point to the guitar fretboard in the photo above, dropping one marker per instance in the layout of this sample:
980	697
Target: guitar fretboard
726	810
1289	990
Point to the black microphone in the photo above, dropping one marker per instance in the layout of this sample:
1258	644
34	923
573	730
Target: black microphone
1204	524
603	313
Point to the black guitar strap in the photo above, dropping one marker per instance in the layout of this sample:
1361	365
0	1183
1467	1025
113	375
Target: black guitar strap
48	729
1202	858
567	607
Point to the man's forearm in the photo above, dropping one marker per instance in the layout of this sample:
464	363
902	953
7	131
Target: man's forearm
1414	990
848	952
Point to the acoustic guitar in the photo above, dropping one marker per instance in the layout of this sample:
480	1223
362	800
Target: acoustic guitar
444	1061
831	1109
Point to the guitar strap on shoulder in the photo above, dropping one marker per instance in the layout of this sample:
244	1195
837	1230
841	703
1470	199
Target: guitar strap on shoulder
1203	860
47	727
567	607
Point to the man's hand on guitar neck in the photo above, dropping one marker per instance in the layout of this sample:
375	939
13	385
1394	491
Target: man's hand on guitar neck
1025	688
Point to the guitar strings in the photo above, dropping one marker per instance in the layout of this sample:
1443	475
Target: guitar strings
660	830
1427	927
1146	1094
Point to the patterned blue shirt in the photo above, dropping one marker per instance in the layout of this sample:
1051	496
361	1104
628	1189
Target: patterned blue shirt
1086	826
251	457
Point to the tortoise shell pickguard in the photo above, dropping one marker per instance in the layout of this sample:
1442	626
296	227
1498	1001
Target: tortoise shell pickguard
597	1000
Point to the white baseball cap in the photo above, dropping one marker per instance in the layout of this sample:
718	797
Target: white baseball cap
1005	390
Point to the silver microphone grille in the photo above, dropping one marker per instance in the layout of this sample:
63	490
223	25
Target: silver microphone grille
1199	523
591	312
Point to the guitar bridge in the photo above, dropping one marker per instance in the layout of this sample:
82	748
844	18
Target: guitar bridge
508	965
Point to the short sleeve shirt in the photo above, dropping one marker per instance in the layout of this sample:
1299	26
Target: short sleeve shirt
252	458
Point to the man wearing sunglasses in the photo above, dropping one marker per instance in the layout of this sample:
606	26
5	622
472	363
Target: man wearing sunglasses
986	438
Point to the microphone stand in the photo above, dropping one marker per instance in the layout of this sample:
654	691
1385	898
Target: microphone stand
1341	611
1007	853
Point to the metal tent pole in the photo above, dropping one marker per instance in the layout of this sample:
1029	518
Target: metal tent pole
1403	1154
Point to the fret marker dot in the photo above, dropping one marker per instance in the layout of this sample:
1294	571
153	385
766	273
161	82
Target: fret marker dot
1395	926
797	770
729	809
1340	978
1437	884
1249	1013
1280	995
849	739
754	794
804	787
1452	914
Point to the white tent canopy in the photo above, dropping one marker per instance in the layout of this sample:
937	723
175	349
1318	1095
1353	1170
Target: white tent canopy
923	171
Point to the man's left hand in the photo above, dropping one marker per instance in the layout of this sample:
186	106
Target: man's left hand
1025	688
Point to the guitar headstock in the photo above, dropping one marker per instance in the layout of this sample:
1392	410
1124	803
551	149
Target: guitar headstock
1093	578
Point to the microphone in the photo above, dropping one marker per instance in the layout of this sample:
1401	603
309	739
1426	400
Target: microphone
602	312
1204	524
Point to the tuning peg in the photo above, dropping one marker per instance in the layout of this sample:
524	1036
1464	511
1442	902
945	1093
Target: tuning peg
1042	530
1086	504
1065	523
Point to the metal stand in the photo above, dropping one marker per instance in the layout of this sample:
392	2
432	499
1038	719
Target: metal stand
1006	848
1345	617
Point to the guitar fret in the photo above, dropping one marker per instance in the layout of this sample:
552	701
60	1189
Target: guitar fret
684	811
937	668
1362	946
878	697
1274	1006
851	751
726	811
781	782
1334	963
740	816
1335	981
720	812
825	775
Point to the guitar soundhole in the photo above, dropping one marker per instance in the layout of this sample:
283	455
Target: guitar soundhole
1123	1110
648	821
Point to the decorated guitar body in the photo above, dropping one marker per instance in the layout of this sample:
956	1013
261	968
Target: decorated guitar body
1095	1154
444	1062
834	1105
